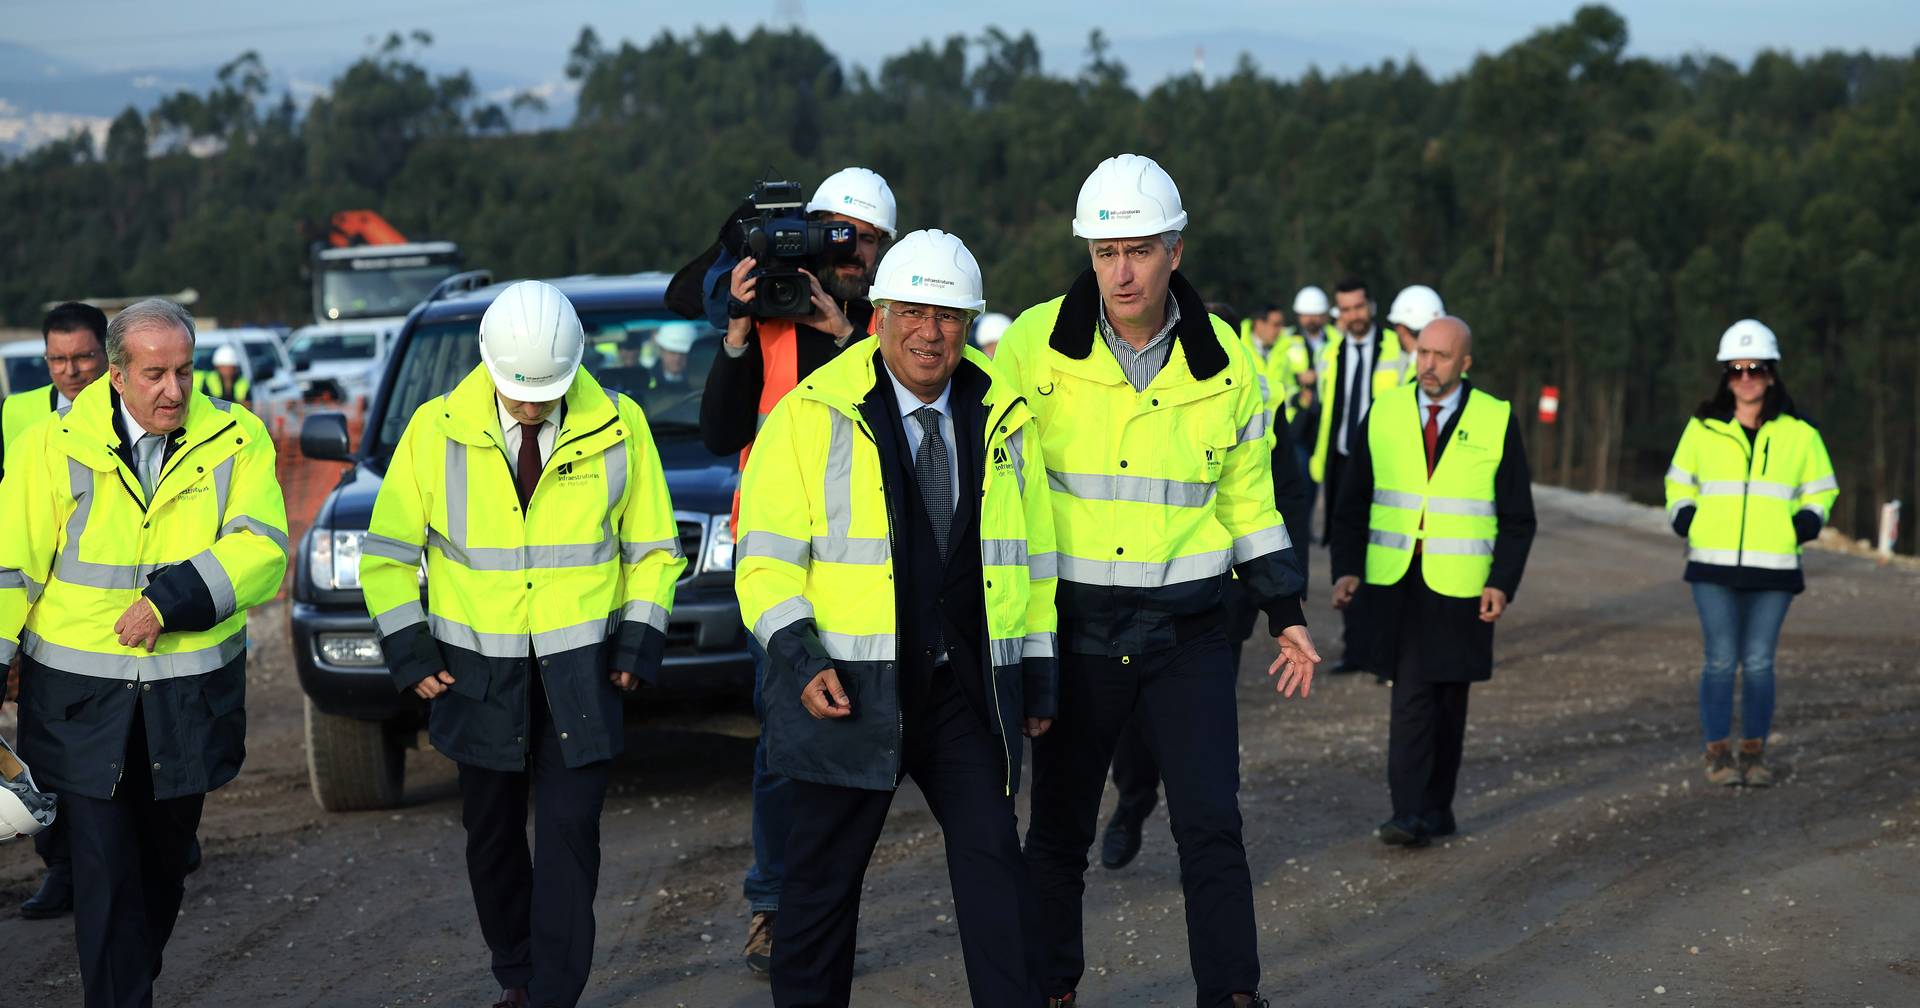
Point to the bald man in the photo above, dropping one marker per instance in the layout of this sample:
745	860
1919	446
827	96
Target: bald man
1434	524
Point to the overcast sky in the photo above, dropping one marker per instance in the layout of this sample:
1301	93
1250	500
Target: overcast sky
529	38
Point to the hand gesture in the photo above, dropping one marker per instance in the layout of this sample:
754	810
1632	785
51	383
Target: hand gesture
139	626
1298	657
824	698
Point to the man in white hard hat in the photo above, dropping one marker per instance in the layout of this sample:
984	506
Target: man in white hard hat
903	472
761	360
142	524
536	500
1413	309
674	340
225	380
1310	312
1158	453
987	331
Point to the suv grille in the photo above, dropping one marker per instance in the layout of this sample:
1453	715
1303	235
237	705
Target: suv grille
693	534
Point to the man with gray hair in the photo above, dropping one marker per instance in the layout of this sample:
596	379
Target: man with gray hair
1159	456
143	522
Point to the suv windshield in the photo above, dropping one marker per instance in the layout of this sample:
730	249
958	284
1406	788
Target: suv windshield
331	346
373	292
621	354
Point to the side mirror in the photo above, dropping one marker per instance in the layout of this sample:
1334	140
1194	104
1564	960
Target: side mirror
323	438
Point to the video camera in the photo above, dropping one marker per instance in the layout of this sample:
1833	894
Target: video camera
782	241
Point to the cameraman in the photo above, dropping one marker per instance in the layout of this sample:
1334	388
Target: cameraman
762	360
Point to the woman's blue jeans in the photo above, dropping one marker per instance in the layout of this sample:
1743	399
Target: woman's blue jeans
1741	628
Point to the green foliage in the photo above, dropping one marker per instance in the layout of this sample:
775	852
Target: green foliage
1598	218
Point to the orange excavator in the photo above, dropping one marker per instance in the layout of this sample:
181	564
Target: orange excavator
367	269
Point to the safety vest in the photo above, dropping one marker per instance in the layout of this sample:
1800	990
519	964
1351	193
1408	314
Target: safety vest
1155	489
20	411
1746	492
1388	365
82	541
1278	371
816	544
593	561
210	384
1451	513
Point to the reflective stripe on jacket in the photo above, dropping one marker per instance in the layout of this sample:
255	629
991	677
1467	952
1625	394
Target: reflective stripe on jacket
582	583
815	567
1451	513
1747	493
82	544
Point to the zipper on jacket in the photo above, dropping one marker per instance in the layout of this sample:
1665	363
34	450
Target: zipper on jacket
993	673
1746	491
899	708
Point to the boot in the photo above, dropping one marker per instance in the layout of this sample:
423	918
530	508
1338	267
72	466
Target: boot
1753	772
55	897
759	950
1720	768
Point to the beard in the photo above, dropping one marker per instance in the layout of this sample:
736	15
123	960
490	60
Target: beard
844	287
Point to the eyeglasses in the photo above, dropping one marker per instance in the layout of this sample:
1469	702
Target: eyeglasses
947	319
77	360
1758	370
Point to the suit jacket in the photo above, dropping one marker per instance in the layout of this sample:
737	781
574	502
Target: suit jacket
1446	634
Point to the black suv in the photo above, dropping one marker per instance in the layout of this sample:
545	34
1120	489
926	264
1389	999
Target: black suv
358	725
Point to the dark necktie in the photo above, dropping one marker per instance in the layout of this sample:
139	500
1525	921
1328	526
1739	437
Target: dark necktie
936	484
1432	432
1359	385
527	476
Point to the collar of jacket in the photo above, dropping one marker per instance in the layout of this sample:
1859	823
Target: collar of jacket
1077	324
844	381
93	438
471	417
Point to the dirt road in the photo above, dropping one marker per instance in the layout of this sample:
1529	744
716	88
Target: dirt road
1593	868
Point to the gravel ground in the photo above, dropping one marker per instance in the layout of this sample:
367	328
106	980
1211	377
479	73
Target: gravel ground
1594	866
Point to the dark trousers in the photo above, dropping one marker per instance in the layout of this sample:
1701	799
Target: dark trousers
1356	622
962	772
55	850
1424	741
1135	775
1186	699
536	912
130	868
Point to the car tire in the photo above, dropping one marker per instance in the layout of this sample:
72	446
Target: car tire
353	765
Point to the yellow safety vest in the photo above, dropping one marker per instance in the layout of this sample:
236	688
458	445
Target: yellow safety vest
1451	513
816	545
210	384
1747	493
583	582
1278	371
1388	365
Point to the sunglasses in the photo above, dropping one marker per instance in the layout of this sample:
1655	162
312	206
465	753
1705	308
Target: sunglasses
1753	370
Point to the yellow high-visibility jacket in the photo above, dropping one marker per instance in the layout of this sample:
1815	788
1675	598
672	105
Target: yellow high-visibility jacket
582	582
1749	498
82	543
816	564
20	411
1451	512
1389	372
1157	494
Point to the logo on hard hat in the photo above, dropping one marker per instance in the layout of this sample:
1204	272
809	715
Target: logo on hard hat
1746	339
1117	214
928	281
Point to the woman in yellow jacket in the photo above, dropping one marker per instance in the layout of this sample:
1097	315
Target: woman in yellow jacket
1749	483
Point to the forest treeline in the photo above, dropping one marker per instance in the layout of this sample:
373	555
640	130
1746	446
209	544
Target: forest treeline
1599	218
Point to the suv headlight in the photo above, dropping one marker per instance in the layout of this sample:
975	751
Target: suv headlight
333	556
718	553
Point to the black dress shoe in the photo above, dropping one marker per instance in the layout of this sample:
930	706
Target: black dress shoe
1408	831
1122	840
55	898
1062	1000
1347	666
1440	823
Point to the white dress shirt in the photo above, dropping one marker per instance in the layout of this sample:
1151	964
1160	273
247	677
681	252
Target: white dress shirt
1448	406
510	435
910	404
1359	368
149	450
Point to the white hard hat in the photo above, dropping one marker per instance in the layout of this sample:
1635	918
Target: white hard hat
531	340
1129	196
1311	301
930	267
1748	339
857	192
24	808
676	336
991	327
1416	308
227	355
